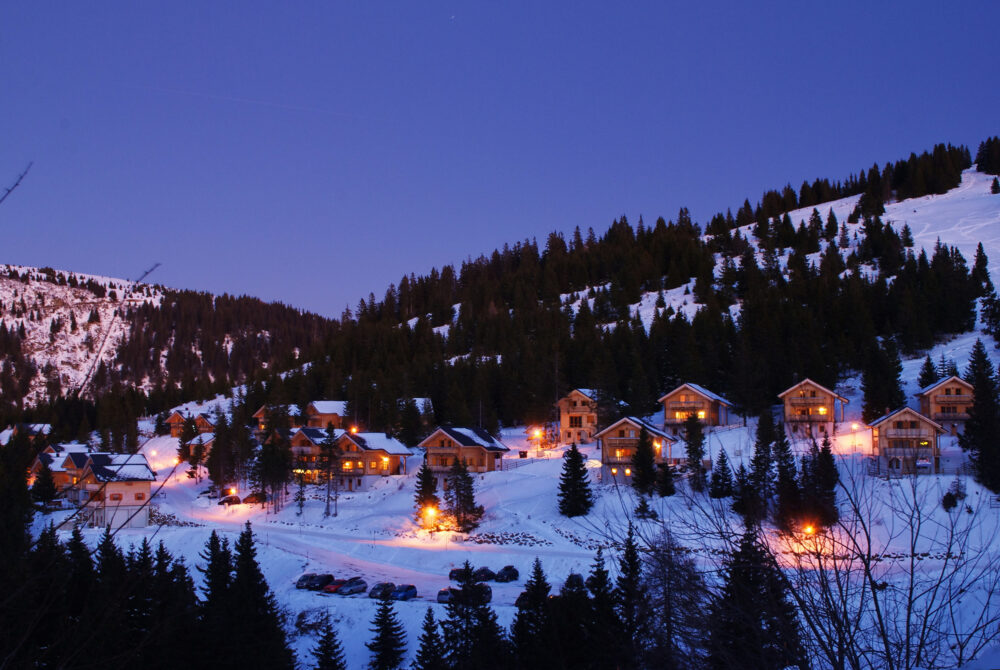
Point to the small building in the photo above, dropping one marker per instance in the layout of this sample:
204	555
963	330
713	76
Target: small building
365	457
480	451
117	490
65	474
692	400
307	448
203	422
205	440
905	442
948	402
263	416
321	413
619	441
811	407
577	416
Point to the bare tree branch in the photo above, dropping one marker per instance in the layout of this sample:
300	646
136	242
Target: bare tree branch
10	189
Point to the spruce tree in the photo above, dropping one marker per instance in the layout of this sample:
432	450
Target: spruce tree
644	464
721	485
981	437
532	636
995	186
630	602
300	494
426	490
928	373
430	652
471	636
575	498
607	633
761	476
665	480
389	642
44	488
694	436
753	622
461	497
787	485
328	652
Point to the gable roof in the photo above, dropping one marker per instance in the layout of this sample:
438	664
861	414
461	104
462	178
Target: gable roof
904	410
123	468
927	389
638	423
700	390
817	385
78	458
315	435
470	437
378	442
338	407
203	438
590	393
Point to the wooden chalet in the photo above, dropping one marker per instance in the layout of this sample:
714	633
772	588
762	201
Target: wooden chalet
577	416
321	413
480	451
117	489
809	406
66	471
364	457
203	421
906	442
263	415
307	448
948	402
619	441
693	400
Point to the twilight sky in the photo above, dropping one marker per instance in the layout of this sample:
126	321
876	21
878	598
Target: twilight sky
315	152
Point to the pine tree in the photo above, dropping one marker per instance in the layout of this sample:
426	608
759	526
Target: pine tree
430	652
995	186
300	494
532	635
575	498
761	476
328	652
460	497
880	381
721	485
981	437
644	464
410	423
928	373
330	455
44	488
787	485
753	623
471	635
388	645
426	490
694	436
630	601
665	480
607	633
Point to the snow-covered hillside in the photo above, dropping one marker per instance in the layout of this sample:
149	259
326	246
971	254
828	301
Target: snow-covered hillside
65	322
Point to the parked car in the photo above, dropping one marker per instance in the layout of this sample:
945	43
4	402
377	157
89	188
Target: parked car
334	585
484	575
404	592
446	594
507	573
382	590
319	581
230	500
303	581
455	574
481	593
255	498
352	586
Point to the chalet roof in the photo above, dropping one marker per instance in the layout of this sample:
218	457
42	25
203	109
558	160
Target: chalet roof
207	417
338	407
590	393
67	447
315	435
638	423
473	437
378	442
292	410
203	438
700	390
958	380
79	459
906	410
817	385
123	468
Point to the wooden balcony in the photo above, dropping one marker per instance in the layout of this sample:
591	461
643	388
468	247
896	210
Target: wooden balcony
808	418
953	399
950	416
907	433
805	400
686	405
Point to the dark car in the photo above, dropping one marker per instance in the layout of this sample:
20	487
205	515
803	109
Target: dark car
445	595
382	590
484	575
507	573
230	500
334	585
481	593
303	581
255	498
404	592
319	581
352	586
455	574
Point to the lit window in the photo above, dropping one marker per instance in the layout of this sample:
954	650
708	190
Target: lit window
619	453
822	410
701	414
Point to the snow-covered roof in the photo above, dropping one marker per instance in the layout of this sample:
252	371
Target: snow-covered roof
473	437
638	423
590	393
29	429
377	442
315	435
203	438
123	468
904	410
940	382
700	390
338	407
291	410
817	385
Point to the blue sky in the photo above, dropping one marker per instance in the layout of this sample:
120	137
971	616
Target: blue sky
315	152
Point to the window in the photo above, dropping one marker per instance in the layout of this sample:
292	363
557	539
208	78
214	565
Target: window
701	414
894	464
621	433
822	410
140	496
576	422
115	497
619	454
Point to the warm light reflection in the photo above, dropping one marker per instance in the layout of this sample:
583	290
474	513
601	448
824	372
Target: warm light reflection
854	426
809	529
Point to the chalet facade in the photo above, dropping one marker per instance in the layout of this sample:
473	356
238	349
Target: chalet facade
948	402
307	448
366	457
117	489
810	407
577	416
203	422
66	471
692	400
905	442
321	413
480	451
619	441
263	416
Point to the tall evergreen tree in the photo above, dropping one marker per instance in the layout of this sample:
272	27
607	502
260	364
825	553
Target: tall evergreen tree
575	498
426	490
328	652
389	642
880	381
694	436
928	373
44	488
460	497
981	437
644	464
665	480
721	484
430	652
532	635
789	495
472	637
605	644
631	603
678	602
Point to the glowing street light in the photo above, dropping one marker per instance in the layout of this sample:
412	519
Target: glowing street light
809	529
354	430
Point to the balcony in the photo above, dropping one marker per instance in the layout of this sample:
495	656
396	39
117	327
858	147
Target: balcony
808	418
950	416
804	400
907	433
953	399
907	452
686	405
